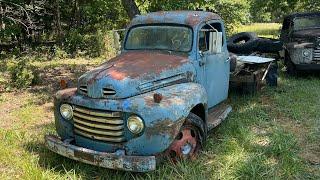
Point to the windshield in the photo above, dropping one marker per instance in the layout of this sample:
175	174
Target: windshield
307	22
160	37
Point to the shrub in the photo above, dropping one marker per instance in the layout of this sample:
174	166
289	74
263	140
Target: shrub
92	45
22	73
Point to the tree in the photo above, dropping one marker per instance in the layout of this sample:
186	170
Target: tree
131	8
275	10
310	5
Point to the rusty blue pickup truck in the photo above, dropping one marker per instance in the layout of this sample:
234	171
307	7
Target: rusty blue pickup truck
157	99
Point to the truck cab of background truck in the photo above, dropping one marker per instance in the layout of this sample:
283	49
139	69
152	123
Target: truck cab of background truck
151	101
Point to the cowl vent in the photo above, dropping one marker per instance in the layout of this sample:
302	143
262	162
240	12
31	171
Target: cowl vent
108	92
83	89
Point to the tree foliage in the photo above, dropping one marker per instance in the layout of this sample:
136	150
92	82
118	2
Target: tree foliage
275	10
78	25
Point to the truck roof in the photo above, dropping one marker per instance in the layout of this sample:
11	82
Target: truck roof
295	15
190	18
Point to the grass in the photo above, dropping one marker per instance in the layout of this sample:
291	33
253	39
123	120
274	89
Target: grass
271	135
268	30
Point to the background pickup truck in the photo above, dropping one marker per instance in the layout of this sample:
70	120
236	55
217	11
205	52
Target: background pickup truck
301	37
158	98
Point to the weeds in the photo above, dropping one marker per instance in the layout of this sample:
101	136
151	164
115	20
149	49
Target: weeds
22	73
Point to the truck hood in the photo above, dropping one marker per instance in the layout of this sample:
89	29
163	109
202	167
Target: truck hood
133	73
307	33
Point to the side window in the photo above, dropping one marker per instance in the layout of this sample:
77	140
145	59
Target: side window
204	35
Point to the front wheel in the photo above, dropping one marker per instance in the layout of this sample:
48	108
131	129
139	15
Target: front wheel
272	75
291	68
188	142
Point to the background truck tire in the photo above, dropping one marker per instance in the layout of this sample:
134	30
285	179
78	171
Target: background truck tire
233	62
242	43
268	45
272	75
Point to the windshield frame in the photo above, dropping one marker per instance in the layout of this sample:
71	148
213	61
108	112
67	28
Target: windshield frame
159	24
305	17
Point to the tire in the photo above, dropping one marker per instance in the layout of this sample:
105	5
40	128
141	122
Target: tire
268	45
272	75
291	68
248	45
250	88
233	62
189	140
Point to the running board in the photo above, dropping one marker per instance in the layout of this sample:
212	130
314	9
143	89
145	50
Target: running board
218	114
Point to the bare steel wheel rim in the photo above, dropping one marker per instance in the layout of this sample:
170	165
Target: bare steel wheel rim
185	146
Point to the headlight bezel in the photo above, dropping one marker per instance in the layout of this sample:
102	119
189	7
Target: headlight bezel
68	107
306	53
139	122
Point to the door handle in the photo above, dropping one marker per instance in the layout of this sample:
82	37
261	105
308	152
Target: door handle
202	61
228	59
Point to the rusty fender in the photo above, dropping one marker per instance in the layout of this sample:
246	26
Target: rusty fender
162	120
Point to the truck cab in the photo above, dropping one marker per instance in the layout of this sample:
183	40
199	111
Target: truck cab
158	98
300	35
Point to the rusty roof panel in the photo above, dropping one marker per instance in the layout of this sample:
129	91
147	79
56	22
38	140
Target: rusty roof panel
191	18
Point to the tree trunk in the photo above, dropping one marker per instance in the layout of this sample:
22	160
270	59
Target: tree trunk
131	8
76	13
58	20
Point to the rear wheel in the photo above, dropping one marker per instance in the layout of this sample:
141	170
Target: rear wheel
188	142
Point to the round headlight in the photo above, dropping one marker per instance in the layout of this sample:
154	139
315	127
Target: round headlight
66	111
135	124
306	53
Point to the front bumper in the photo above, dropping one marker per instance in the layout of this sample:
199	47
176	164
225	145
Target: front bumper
101	159
308	67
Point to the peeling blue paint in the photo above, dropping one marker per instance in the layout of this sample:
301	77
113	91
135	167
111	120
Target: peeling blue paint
127	84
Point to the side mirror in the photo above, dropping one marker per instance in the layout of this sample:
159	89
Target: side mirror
116	41
215	45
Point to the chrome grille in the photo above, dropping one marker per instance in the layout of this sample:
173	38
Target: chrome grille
84	89
316	52
98	125
108	92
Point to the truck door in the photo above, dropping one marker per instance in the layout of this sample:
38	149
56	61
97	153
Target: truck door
215	66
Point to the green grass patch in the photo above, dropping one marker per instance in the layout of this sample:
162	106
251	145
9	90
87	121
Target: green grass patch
268	30
259	140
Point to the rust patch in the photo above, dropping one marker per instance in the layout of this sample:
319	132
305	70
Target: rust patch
157	97
66	93
149	101
193	19
134	64
83	155
164	127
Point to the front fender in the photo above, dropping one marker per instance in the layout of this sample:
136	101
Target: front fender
163	120
296	50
